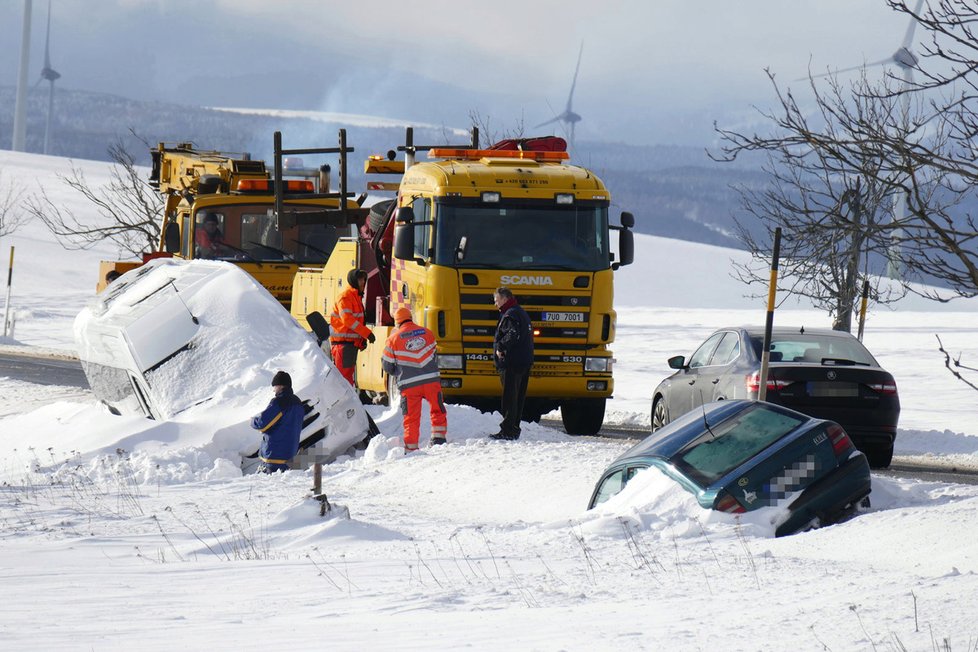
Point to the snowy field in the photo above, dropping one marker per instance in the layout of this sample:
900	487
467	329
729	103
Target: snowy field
117	532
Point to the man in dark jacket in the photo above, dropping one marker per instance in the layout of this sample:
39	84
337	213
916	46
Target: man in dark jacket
281	422
513	352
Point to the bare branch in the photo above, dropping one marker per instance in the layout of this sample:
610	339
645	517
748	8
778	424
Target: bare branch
12	216
128	212
956	362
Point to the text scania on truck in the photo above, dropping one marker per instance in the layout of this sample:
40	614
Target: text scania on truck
465	222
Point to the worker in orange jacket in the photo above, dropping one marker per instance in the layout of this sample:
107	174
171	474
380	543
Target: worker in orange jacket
409	356
348	333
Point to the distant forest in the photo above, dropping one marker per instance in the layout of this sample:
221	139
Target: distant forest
675	192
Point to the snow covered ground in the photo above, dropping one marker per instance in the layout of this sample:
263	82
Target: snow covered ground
117	532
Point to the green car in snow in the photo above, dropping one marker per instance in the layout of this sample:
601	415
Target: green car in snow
741	455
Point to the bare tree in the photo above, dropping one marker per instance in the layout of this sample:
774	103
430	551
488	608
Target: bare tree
128	211
493	134
833	204
11	214
934	160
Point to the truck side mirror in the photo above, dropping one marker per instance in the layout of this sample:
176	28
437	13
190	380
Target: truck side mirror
626	247
404	234
627	220
171	238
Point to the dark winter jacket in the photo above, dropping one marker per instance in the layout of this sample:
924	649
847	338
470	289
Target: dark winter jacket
281	422
514	338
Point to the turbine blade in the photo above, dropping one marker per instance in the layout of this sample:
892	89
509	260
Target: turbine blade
881	62
570	97
47	40
551	121
908	37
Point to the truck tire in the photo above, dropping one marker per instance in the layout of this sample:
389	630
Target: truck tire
375	218
582	416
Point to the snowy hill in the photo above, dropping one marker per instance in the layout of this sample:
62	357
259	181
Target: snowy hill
477	544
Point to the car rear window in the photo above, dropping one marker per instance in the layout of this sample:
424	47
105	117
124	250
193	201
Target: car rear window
810	347
730	443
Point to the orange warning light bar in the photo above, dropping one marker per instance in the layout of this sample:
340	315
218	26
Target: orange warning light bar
266	185
475	154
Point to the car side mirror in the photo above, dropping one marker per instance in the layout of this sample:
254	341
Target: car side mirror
677	362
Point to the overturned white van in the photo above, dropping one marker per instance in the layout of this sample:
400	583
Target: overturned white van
170	337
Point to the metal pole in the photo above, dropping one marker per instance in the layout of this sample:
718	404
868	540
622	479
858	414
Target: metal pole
10	275
862	309
19	141
769	323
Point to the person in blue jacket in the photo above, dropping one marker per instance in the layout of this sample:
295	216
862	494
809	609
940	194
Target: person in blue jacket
281	423
513	353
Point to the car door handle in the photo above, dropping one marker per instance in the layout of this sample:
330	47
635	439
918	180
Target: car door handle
716	380
692	382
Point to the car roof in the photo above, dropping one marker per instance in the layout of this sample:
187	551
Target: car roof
758	331
670	439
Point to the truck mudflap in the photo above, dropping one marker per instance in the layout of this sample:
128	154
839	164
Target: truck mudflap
200	340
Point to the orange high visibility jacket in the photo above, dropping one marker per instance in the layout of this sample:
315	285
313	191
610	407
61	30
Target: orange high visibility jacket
346	323
410	356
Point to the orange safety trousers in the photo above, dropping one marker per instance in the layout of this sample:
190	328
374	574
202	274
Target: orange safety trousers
411	409
338	351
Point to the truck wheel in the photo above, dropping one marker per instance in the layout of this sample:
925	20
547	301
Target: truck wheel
582	416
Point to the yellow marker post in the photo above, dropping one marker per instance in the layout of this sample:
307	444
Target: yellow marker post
10	276
769	322
862	309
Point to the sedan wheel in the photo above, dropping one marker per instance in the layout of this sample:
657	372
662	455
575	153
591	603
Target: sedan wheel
658	413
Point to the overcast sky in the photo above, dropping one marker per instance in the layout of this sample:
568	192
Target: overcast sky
642	60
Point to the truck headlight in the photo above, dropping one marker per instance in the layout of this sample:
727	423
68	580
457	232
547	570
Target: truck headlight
598	364
449	361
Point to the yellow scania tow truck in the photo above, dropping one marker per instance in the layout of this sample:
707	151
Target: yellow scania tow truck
270	222
465	222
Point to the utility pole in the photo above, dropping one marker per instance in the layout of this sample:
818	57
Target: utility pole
20	108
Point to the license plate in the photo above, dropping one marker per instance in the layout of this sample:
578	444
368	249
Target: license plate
563	316
833	389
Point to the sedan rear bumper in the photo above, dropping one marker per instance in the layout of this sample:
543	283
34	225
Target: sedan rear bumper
828	498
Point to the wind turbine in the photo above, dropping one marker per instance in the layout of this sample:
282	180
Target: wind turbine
50	74
19	141
568	116
906	61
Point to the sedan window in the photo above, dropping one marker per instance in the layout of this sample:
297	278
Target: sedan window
701	356
728	350
809	347
729	444
615	482
611	485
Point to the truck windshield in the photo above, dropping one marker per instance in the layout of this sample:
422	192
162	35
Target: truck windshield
250	232
522	235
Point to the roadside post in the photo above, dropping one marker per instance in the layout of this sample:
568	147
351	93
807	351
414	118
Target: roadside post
769	322
862	309
6	310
